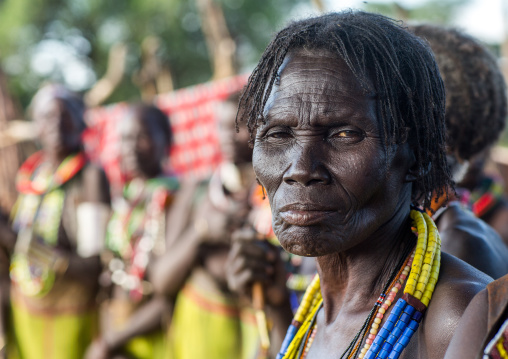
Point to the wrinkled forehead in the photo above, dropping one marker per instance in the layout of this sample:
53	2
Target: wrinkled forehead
316	78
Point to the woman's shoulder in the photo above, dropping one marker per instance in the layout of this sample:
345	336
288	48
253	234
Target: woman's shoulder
485	314
458	284
472	240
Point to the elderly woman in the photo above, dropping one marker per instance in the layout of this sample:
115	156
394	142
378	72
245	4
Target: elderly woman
347	116
475	116
60	218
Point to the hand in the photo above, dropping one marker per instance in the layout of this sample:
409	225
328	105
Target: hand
98	350
214	225
252	260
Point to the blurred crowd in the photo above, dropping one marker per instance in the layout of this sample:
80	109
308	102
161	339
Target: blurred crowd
140	229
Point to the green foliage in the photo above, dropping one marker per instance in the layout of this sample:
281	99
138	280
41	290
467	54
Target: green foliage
88	28
436	11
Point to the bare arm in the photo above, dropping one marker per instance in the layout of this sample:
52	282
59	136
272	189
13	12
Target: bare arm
145	320
471	331
171	270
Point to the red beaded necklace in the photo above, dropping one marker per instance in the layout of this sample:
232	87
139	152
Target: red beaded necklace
69	167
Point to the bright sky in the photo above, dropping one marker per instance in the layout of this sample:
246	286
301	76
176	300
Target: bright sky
480	18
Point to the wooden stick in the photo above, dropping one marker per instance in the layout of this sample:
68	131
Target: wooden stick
258	300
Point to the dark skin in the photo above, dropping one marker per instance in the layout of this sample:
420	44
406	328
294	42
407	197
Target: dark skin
336	196
467	341
199	236
481	321
143	149
472	240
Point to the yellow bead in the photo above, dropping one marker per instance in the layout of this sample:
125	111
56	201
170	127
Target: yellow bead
382	310
375	326
373	331
417	294
377	321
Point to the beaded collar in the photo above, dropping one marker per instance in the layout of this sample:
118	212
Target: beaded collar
69	167
421	269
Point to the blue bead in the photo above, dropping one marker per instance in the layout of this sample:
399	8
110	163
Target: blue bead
394	355
404	339
417	316
378	340
389	325
409	309
383	333
393	318
383	354
405	318
413	324
401	325
399	307
374	348
387	346
398	347
397	332
408	332
290	334
370	355
392	339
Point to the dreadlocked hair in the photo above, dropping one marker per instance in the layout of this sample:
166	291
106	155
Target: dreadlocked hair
388	61
475	90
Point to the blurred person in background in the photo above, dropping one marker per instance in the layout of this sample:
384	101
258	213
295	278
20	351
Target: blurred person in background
133	317
208	320
475	116
60	218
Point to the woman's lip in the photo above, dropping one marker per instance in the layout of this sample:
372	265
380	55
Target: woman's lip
304	218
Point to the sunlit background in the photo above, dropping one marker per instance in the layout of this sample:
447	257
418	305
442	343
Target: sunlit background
70	40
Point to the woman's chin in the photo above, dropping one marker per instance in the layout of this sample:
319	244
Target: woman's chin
308	244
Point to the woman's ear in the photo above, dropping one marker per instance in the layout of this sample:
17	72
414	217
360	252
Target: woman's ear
415	171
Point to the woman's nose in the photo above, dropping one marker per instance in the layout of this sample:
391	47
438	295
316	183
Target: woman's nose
307	168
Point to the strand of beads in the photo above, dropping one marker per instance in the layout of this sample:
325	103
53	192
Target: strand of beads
384	304
311	301
406	315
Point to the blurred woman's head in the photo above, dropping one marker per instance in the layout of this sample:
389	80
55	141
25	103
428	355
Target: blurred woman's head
58	115
145	140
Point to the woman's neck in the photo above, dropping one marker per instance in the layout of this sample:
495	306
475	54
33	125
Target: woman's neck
354	279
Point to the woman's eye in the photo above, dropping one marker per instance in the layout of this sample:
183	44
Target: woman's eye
348	134
279	135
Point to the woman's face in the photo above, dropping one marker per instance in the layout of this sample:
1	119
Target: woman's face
321	159
57	128
142	147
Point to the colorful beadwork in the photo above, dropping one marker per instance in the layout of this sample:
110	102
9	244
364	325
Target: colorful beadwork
69	167
37	216
486	196
421	270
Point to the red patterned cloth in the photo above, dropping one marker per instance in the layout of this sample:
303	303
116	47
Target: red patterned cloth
192	110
